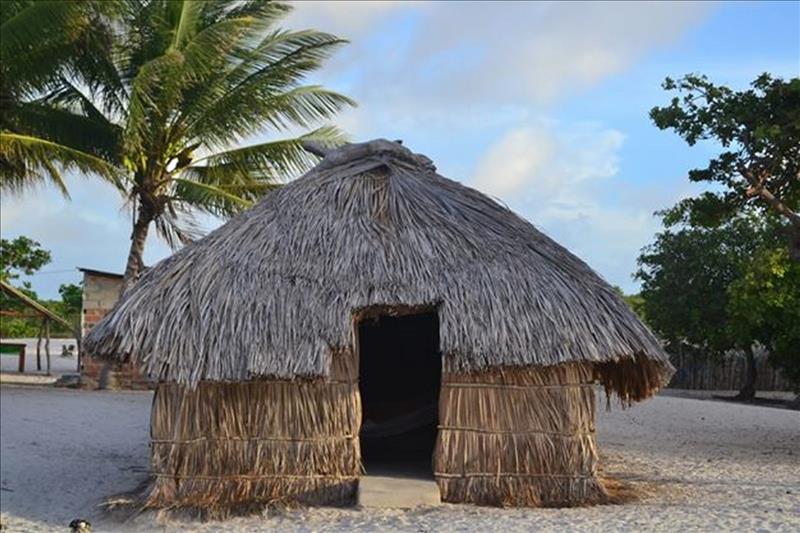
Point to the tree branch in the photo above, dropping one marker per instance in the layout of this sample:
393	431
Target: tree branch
758	189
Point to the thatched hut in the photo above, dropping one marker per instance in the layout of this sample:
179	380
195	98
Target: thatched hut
348	302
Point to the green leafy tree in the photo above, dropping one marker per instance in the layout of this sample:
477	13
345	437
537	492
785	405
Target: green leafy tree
685	276
191	82
634	301
764	305
19	256
22	255
71	298
759	164
48	46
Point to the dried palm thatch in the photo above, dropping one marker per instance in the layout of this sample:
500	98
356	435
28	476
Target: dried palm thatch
518	436
224	448
273	291
251	332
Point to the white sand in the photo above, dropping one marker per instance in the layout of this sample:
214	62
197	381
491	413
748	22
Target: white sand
703	465
58	365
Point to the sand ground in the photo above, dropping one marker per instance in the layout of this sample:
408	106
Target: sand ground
58	365
700	465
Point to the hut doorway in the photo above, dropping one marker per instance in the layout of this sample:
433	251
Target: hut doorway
399	379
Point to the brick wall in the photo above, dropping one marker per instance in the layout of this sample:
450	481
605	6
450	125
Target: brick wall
100	293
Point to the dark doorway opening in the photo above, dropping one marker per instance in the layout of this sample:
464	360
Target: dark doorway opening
399	379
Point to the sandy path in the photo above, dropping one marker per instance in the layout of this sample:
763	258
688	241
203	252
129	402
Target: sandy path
62	451
703	466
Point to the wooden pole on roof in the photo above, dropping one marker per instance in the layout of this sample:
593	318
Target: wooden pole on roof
47	343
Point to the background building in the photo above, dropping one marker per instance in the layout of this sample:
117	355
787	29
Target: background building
101	291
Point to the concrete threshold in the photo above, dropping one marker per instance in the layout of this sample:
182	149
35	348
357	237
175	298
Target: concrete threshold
376	491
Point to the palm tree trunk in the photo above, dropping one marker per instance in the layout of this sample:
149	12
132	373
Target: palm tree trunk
138	238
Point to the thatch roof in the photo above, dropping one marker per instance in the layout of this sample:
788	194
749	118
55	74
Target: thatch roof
273	292
37	308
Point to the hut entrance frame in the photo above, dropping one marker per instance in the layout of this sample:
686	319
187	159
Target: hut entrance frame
399	380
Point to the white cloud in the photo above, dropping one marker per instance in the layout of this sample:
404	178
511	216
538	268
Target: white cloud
564	179
564	48
549	163
444	67
344	17
517	161
455	54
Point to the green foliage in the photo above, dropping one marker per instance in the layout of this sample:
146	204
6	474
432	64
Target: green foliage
48	46
159	99
71	298
12	304
719	278
685	275
634	301
21	256
15	328
759	132
726	287
764	305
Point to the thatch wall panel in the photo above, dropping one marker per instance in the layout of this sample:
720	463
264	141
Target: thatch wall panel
218	498
509	408
473	453
222	446
225	411
518	436
522	491
343	366
254	458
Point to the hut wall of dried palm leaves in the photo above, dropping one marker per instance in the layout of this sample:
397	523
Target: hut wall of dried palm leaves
518	437
224	448
510	437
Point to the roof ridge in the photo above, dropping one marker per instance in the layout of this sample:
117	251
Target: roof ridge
381	149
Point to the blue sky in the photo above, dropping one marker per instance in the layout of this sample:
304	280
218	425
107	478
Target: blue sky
541	105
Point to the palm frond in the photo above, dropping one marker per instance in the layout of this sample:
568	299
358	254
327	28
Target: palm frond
224	201
177	226
26	161
154	94
210	49
26	23
41	40
92	133
273	161
239	101
250	111
188	20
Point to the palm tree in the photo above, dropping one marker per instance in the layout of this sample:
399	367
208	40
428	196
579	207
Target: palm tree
42	45
191	81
